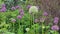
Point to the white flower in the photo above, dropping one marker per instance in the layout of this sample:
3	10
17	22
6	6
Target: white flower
27	29
33	9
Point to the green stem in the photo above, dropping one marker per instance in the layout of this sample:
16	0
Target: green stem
13	27
42	28
33	18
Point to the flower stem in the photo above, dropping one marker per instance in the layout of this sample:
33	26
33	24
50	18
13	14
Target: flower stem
42	28
13	27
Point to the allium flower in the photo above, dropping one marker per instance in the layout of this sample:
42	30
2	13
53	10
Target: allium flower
42	19
56	20
13	20
33	9
21	12
28	6
36	20
55	27
19	16
17	6
13	8
27	29
45	14
3	9
3	5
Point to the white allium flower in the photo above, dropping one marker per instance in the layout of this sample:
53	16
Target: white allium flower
33	9
27	29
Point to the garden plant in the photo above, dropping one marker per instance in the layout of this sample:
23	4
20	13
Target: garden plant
29	17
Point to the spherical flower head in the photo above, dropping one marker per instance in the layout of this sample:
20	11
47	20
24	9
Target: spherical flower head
36	20
3	9
42	19
19	16
21	12
3	5
13	20
13	8
27	29
17	7
45	14
56	20
28	6
55	27
33	9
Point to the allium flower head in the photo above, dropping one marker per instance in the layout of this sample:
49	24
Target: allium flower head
17	6
27	29
45	14
33	9
36	20
28	6
19	16
3	5
55	27
13	20
13	8
3	9
21	12
56	19
42	19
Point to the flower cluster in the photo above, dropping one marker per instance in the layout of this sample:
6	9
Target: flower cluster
3	9
55	27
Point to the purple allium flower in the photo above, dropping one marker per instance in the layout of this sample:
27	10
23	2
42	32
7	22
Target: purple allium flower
21	10
3	9
3	5
28	6
55	27
19	16
22	13
45	14
36	20
13	8
17	6
56	20
13	20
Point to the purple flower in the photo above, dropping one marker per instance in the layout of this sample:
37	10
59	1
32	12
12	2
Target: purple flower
45	14
28	6
21	12
17	6
3	9
13	8
36	20
19	17
3	5
55	27
13	20
56	20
